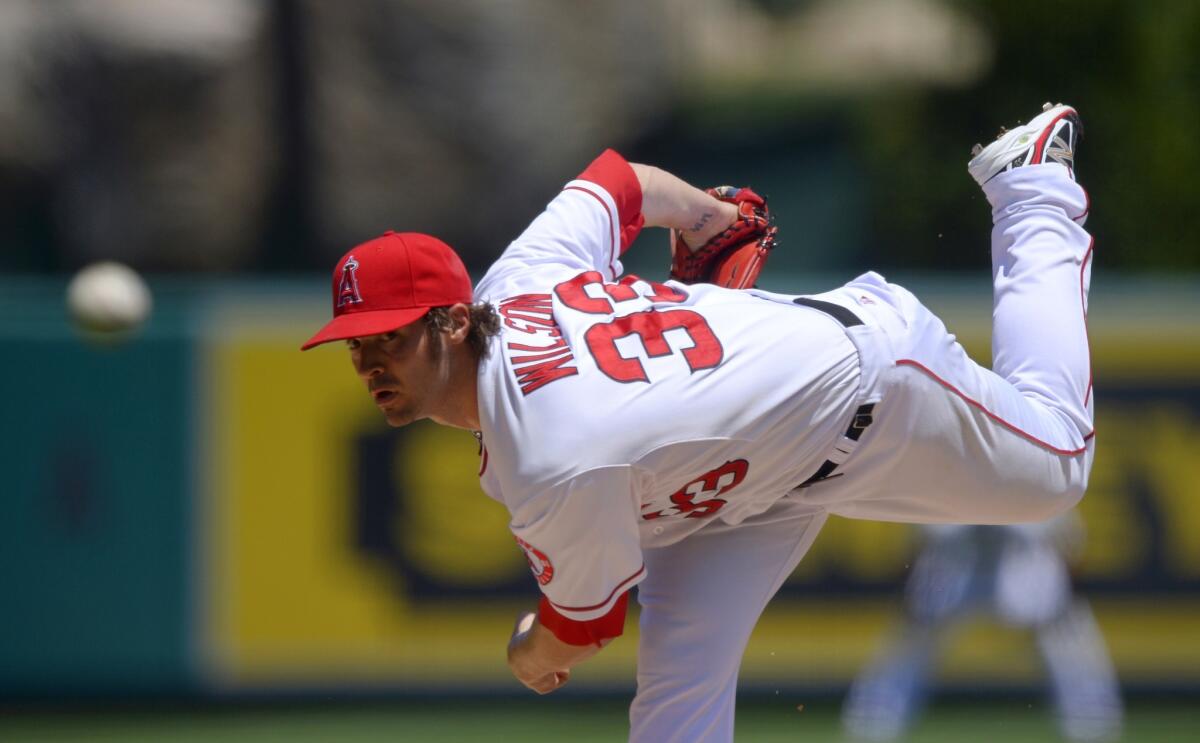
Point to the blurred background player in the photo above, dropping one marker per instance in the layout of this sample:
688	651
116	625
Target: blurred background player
1017	575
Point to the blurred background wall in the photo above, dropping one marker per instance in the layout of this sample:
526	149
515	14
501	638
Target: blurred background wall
201	510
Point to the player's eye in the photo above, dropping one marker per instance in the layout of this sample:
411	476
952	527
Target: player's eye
353	344
388	336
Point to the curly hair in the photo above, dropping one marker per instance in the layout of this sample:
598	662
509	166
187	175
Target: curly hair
485	323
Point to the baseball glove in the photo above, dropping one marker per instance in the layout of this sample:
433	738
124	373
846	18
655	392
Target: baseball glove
734	258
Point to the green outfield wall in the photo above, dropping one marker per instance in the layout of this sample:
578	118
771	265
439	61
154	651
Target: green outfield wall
203	509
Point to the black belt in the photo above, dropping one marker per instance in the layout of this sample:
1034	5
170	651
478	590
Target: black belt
862	416
836	311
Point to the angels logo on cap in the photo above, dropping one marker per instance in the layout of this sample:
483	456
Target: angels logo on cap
391	281
347	292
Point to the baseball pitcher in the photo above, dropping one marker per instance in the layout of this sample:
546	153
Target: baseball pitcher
691	436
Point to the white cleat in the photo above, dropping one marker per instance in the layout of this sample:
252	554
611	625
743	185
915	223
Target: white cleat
1050	137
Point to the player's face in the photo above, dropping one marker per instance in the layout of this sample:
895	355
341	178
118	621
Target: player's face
404	370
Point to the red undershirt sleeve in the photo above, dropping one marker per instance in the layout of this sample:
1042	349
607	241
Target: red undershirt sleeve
591	632
613	173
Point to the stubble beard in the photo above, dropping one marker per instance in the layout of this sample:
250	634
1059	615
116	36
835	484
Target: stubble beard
400	418
410	411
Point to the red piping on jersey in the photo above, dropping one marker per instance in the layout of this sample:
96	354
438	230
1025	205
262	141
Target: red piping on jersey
620	587
612	258
483	465
1087	208
976	404
1083	306
612	173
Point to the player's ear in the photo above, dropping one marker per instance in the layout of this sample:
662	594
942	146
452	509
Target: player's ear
460	322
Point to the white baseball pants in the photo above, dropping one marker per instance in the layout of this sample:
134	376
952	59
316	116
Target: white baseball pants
951	441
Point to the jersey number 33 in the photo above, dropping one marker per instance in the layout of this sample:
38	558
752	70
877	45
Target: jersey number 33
650	326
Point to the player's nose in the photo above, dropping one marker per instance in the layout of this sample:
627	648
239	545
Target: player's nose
367	364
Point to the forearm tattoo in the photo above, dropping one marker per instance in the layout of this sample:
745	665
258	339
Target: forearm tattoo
704	219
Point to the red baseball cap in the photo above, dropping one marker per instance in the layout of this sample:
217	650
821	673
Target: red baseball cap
390	281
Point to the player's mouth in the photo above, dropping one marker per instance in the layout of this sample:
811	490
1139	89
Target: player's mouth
383	397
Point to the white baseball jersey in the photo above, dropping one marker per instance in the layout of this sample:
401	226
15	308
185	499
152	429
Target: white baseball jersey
617	415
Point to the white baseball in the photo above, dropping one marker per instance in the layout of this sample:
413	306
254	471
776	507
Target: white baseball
108	297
